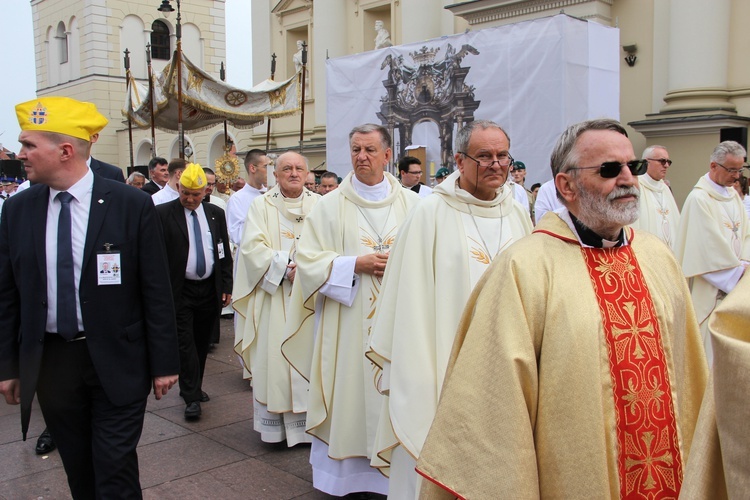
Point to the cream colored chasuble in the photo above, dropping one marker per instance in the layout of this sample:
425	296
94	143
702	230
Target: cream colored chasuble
446	245
659	214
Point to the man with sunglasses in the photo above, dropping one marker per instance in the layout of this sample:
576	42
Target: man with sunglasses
577	370
659	214
445	245
712	242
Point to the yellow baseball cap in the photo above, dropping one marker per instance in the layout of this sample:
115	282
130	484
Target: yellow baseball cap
193	177
61	115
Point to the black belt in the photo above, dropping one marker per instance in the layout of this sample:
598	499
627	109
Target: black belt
57	336
198	282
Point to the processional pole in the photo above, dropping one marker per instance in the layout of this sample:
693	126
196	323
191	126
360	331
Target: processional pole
151	98
130	122
166	8
268	125
180	131
302	114
223	76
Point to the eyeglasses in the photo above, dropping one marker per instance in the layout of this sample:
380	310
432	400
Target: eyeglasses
505	160
418	172
611	169
664	162
212	184
732	170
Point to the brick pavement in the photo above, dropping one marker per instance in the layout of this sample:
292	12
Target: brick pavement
218	456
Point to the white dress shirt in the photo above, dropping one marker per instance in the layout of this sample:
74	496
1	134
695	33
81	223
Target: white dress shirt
208	252
166	195
237	208
80	207
520	195
546	200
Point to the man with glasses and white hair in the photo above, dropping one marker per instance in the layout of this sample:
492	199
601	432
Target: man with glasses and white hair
712	242
446	244
577	370
341	257
659	213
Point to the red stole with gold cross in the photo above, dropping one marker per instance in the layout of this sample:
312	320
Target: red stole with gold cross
648	458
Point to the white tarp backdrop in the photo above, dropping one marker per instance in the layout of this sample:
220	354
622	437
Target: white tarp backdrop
533	78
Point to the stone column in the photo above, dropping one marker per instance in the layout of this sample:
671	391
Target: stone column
698	56
419	23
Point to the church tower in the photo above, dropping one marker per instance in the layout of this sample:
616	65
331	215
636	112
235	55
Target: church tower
79	51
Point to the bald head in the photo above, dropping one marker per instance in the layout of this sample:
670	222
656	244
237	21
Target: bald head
290	173
289	156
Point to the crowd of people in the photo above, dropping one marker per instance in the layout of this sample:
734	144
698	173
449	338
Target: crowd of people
474	339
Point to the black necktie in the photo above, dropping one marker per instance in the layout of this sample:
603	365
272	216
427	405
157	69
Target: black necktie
67	316
200	266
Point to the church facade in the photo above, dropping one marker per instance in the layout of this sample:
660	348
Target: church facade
684	80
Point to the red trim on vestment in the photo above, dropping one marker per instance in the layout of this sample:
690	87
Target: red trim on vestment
648	459
555	235
438	483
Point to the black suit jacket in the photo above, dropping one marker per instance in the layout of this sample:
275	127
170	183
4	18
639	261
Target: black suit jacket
130	328
172	215
107	170
151	188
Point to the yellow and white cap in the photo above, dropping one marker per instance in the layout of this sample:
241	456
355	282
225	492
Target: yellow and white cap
61	115
193	177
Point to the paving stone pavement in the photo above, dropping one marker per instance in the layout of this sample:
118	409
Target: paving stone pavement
216	457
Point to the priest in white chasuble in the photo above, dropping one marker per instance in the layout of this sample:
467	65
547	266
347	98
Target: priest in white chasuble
266	269
713	242
659	214
341	258
578	370
446	244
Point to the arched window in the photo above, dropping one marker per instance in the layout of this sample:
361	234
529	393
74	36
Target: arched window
62	42
160	40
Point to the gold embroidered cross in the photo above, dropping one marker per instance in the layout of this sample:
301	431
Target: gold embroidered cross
631	326
657	459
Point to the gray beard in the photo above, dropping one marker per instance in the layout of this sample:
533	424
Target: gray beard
600	212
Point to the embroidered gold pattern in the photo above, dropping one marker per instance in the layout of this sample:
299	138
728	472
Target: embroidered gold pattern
277	97
649	460
195	80
480	255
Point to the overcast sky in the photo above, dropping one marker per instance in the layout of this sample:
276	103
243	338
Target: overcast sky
18	82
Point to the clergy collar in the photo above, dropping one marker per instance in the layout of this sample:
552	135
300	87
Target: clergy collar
649	182
591	239
722	190
377	192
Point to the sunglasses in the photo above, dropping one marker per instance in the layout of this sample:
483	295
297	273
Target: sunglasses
611	169
664	162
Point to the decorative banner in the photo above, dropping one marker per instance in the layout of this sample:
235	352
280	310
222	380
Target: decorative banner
533	78
207	101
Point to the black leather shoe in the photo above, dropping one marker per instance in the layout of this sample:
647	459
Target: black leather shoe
45	443
204	397
193	410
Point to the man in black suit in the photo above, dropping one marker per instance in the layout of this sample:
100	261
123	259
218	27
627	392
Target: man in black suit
106	170
45	444
90	345
200	269
158	173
